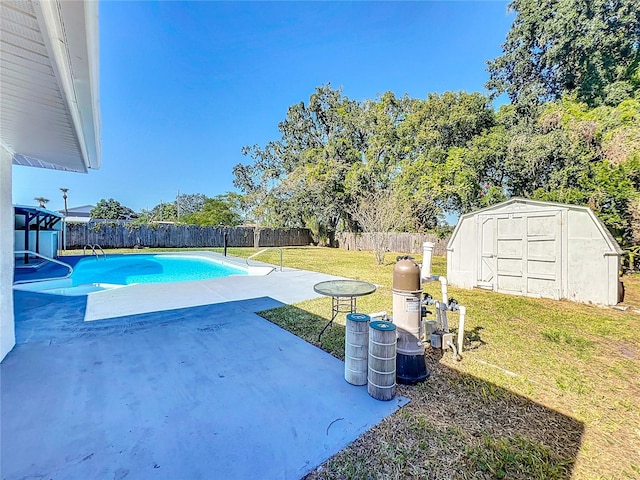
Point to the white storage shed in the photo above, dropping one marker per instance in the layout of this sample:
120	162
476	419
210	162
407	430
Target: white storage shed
536	249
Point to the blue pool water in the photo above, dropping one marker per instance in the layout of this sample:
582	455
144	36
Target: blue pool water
128	269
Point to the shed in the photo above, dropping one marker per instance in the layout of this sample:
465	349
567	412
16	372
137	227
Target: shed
537	249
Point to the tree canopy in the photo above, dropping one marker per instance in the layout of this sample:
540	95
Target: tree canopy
112	210
589	48
220	210
333	151
571	134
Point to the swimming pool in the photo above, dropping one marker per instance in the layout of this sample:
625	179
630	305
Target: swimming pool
145	268
94	274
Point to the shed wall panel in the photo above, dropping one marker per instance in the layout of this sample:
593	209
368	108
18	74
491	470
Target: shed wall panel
461	256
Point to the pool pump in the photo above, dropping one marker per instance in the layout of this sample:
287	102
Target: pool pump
407	315
414	331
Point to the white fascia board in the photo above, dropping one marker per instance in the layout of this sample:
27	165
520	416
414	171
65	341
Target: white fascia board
73	47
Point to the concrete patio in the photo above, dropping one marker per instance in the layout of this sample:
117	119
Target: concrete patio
209	391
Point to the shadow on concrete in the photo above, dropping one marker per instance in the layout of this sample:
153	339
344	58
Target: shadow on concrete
455	426
213	391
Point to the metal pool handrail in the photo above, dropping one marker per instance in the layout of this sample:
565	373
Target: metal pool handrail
30	252
94	250
264	250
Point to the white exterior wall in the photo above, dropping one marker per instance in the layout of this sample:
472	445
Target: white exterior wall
7	327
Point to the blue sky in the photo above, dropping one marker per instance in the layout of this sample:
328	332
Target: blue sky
185	85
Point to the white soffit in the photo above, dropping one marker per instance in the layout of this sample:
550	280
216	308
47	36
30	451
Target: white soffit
49	109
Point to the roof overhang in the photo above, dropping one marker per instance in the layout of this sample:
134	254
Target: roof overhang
49	90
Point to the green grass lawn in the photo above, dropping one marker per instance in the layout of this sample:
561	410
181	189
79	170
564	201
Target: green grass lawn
545	389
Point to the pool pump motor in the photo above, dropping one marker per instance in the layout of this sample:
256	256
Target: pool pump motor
407	316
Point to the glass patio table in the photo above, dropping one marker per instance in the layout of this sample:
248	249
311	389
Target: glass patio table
344	294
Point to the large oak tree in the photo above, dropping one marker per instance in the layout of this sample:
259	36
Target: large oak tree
588	48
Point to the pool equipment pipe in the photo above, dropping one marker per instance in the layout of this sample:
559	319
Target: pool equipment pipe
378	315
463	312
407	316
427	254
438	332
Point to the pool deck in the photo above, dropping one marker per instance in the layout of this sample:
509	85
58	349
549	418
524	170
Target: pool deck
205	390
287	286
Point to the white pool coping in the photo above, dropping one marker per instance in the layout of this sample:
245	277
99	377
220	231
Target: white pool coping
287	286
105	301
65	287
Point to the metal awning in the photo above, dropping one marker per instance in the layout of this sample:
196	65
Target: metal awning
36	217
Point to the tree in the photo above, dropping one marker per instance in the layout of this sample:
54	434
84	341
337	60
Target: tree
587	48
379	213
571	153
381	143
42	202
163	212
64	197
606	173
186	204
112	210
216	211
438	174
301	177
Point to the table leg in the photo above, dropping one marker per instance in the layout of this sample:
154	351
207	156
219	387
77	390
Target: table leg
336	303
327	325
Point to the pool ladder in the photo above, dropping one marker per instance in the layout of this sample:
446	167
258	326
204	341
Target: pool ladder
94	250
264	250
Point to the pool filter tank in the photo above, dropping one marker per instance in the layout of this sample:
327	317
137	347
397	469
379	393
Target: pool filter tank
407	316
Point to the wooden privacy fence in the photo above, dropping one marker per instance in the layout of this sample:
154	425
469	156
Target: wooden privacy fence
127	235
398	242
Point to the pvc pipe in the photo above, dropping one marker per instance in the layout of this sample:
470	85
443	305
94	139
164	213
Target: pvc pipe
427	255
463	311
378	315
445	322
443	286
453	347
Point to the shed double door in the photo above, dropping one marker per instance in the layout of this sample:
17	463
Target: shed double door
521	253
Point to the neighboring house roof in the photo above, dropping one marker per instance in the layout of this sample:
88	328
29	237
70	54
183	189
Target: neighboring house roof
71	219
83	211
49	84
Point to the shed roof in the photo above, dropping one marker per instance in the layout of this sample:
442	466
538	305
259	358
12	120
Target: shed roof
519	203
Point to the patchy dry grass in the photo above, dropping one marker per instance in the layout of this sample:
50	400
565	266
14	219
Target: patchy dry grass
545	390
